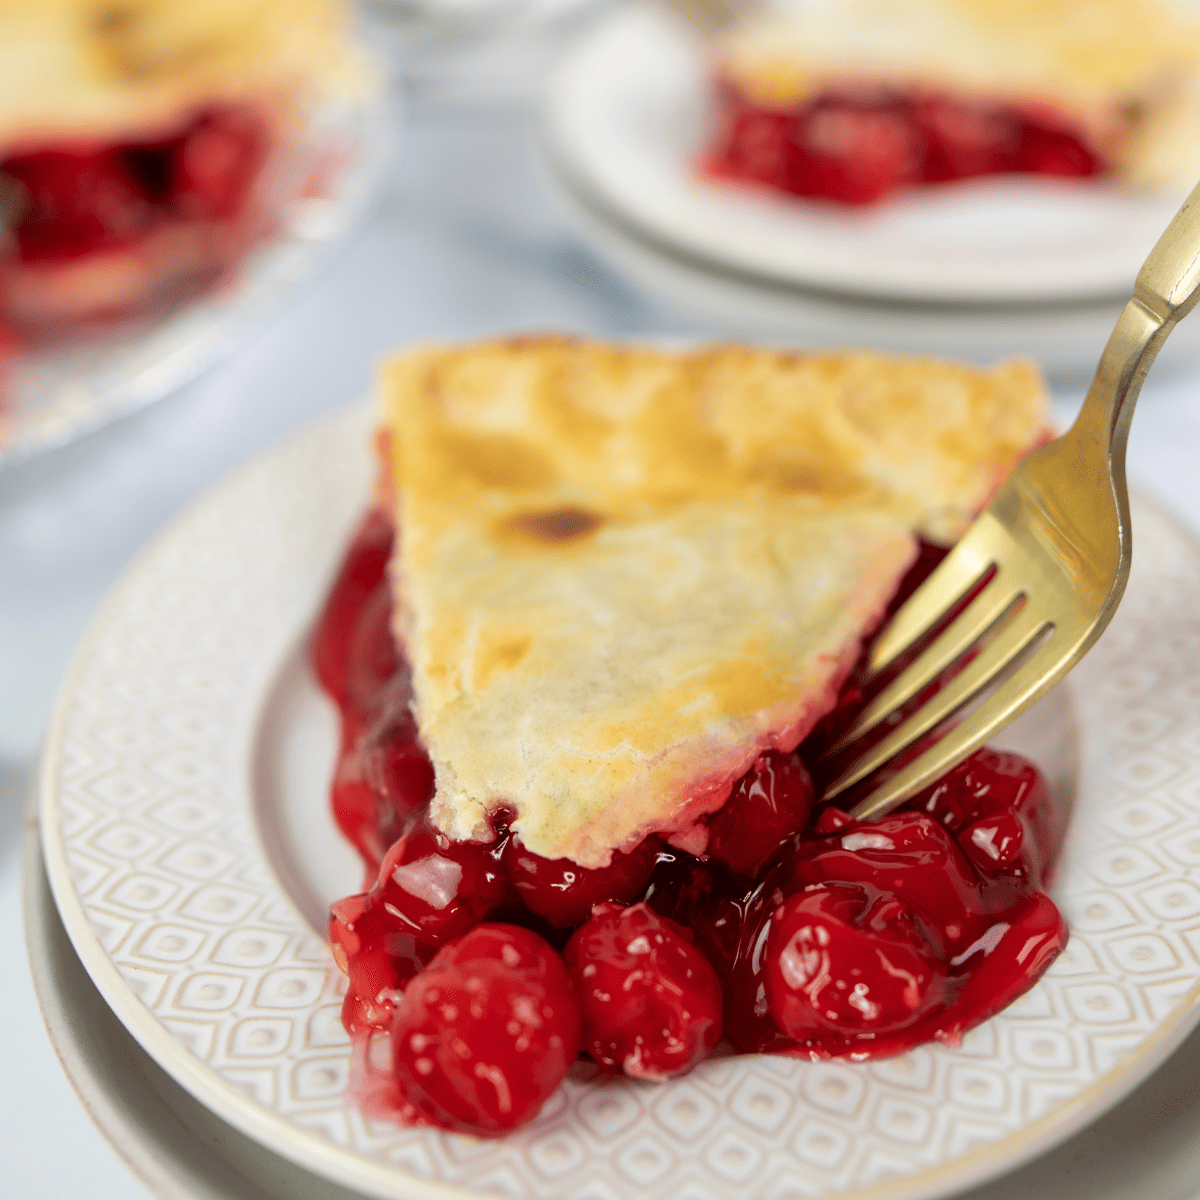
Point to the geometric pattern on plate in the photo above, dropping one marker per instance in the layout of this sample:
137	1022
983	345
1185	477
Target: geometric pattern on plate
167	889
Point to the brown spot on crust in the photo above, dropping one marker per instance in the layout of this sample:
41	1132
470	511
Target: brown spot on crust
559	525
499	654
112	20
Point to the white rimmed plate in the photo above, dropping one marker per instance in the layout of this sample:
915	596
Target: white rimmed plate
190	853
626	114
60	394
1150	1142
1065	340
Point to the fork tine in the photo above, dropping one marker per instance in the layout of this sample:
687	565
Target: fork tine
996	658
1004	705
985	611
954	577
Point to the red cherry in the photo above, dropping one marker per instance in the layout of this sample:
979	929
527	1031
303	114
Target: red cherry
485	1034
427	892
217	162
726	918
372	661
964	138
758	146
681	887
837	961
1004	963
361	572
356	812
734	930
769	804
831	820
358	939
564	893
384	779
991	783
650	1000
856	148
434	890
907	855
397	769
987	781
855	153
1048	147
994	843
402	783
378	794
75	202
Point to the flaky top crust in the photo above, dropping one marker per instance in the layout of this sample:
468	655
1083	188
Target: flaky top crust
116	69
1126	71
622	573
1082	52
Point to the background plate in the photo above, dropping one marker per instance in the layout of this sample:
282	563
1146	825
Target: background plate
183	739
626	115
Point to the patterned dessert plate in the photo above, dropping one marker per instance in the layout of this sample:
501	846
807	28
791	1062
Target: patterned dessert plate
626	115
191	855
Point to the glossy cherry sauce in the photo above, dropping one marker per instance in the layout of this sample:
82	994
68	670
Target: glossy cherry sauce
72	199
799	932
857	147
69	200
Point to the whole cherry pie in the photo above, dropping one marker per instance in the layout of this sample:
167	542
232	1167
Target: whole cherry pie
854	99
146	144
586	650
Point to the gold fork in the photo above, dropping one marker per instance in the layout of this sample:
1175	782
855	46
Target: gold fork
1047	561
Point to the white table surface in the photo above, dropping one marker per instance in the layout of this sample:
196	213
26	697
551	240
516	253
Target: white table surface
467	241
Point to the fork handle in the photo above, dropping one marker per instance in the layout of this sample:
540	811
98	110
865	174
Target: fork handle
1167	289
1168	285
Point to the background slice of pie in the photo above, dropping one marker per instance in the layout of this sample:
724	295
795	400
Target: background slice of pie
146	144
853	99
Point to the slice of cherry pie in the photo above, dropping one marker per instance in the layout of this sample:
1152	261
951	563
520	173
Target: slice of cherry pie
145	145
854	99
627	593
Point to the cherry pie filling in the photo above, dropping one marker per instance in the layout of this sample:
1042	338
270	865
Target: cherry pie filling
857	146
65	202
799	931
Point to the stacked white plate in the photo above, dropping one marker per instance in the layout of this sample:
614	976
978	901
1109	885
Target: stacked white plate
988	267
188	846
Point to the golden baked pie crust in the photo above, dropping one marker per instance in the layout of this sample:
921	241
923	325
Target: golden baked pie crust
114	69
624	573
